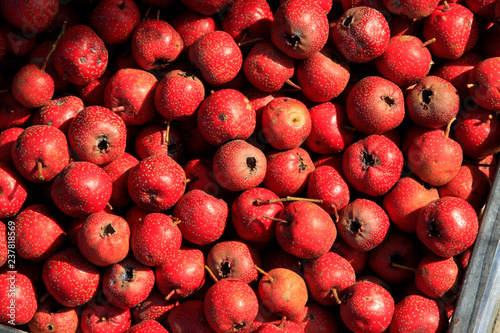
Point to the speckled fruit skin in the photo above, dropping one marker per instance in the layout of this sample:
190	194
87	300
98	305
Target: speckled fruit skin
447	226
147	326
40	144
455	28
363	224
155	44
435	158
154	239
415	312
4	250
115	20
361	34
182	275
80	56
203	217
226	115
405	61
368	308
206	7
486	78
283	292
32	87
97	135
288	171
151	139
118	171
13	190
375	105
309	231
327	273
189	316
267	68
14	114
38	233
435	275
8	138
279	325
405	200
156	183
246	215
300	28
192	25
199	171
154	307
104	238
17	291
51	316
372	165
234	259
103	317
31	16
230	303
433	102
178	95
70	278
323	76
59	112
327	184
130	94
248	20
81	188
217	56
414	9
286	123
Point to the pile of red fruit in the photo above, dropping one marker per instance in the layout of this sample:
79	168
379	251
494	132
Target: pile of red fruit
243	165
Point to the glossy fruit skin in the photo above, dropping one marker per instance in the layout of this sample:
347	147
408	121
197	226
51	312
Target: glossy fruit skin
326	183
115	319
191	25
32	87
447	226
32	17
189	315
435	276
59	112
415	312
485	75
18	294
14	190
115	20
118	172
411	9
65	320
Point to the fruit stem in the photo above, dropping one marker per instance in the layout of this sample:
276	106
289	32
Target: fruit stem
259	202
120	108
282	322
212	275
275	219
146	14
108	205
54	46
187	180
396	265
167	134
260	270
39	166
430	41
349	128
294	85
3	91
446	5
448	128
336	295
170	294
336	214
471	85
255	40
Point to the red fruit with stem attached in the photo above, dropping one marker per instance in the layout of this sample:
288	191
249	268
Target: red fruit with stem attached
101	317
405	61
415	312
130	94
405	201
97	135
115	20
93	93
363	224
104	238
267	68
234	259
375	105
323	76
59	112
155	44
277	326
300	28
32	86
305	230
372	165
182	275
230	305
158	138
66	269
156	183
203	217
118	171
447	226
414	9
13	190
19	297
201	177
327	278
81	188
189	316
329	133
288	171
435	276
178	95
154	307
40	153
127	283
53	317
155	239
217	56
31	16
326	183
367	308
455	28
38	232
8	139
433	102
482	8
147	326
247	214
191	25
80	56
361	34
283	292
484	83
